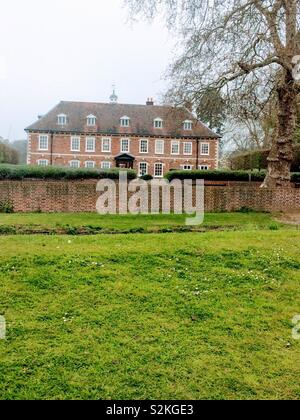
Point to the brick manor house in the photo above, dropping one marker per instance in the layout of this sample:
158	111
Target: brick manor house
150	139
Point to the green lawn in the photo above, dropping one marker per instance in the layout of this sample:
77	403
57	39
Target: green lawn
94	223
173	316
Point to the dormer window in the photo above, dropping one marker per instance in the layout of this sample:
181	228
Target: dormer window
125	122
158	123
188	125
61	119
91	120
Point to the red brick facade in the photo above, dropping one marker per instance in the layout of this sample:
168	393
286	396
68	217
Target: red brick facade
59	152
150	139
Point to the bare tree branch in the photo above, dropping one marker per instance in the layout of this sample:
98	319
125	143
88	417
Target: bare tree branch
227	45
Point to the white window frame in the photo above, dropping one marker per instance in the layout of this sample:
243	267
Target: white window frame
208	149
157	150
87	140
188	125
162	166
91	120
187	167
177	143
88	162
72	162
158	123
147	168
141	141
106	139
204	167
185	144
60	117
125	122
73	139
121	145
45	138
104	163
46	161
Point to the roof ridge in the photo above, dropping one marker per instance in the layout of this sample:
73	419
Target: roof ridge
118	104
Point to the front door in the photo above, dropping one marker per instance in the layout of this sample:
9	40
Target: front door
124	161
125	164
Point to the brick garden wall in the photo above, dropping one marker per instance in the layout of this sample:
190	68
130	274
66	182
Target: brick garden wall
81	196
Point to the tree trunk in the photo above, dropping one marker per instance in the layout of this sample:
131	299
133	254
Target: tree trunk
281	155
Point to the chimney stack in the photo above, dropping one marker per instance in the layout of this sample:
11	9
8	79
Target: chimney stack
150	102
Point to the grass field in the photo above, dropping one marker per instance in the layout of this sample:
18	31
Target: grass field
94	224
164	316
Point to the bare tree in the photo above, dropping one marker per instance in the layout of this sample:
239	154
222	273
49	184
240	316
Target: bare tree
254	108
210	107
226	43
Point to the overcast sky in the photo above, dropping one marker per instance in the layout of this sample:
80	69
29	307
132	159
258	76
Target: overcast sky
53	50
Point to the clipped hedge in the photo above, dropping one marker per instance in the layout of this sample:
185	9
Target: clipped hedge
147	177
240	176
217	175
15	172
296	177
258	159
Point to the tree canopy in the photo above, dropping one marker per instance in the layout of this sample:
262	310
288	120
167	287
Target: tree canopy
8	154
233	45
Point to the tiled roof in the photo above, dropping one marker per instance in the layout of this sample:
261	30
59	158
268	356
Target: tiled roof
108	120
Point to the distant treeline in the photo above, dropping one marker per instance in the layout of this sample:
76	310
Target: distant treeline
13	153
8	154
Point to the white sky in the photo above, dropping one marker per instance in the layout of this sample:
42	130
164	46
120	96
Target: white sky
53	50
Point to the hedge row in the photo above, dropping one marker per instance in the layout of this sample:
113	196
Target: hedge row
258	159
243	176
217	175
296	177
51	172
